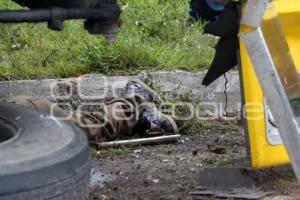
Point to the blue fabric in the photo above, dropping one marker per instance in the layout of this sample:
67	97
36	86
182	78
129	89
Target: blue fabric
202	9
215	5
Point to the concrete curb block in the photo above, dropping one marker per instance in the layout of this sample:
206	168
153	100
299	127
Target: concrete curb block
96	87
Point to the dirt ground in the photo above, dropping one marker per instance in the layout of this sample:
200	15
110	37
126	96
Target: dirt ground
171	171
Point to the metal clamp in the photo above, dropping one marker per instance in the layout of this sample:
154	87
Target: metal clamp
254	12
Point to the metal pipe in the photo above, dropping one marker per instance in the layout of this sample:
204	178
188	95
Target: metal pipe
61	14
151	140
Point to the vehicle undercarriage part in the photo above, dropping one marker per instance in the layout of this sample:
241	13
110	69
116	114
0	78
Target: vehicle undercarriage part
41	157
102	16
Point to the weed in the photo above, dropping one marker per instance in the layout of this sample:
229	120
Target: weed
184	111
154	35
185	186
219	160
111	152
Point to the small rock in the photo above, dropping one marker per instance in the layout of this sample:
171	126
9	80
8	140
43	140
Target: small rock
199	165
136	156
137	151
236	151
103	197
216	149
195	152
122	173
180	158
155	180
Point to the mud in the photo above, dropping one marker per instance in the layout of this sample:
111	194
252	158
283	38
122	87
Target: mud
99	179
171	171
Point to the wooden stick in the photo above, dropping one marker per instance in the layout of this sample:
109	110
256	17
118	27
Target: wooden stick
151	140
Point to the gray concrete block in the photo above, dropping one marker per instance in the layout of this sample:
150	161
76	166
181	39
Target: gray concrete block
96	87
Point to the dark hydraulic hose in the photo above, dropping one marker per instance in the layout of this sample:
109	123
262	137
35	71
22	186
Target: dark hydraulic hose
43	15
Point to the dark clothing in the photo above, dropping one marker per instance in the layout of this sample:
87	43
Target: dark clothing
115	121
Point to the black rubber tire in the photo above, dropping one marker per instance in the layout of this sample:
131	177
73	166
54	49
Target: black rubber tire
44	159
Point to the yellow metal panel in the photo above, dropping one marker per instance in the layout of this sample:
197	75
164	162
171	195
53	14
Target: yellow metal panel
289	13
263	154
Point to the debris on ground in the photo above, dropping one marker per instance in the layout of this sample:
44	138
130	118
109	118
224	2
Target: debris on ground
216	149
141	141
237	193
177	169
228	182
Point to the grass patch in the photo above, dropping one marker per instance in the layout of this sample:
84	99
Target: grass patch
219	160
108	152
155	35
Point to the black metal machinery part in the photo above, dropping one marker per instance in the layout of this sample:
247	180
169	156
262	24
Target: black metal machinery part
227	28
225	25
56	16
102	16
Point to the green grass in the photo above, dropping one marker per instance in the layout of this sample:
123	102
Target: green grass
155	35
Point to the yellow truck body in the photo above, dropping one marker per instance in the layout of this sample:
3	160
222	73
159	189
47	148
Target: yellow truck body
265	153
